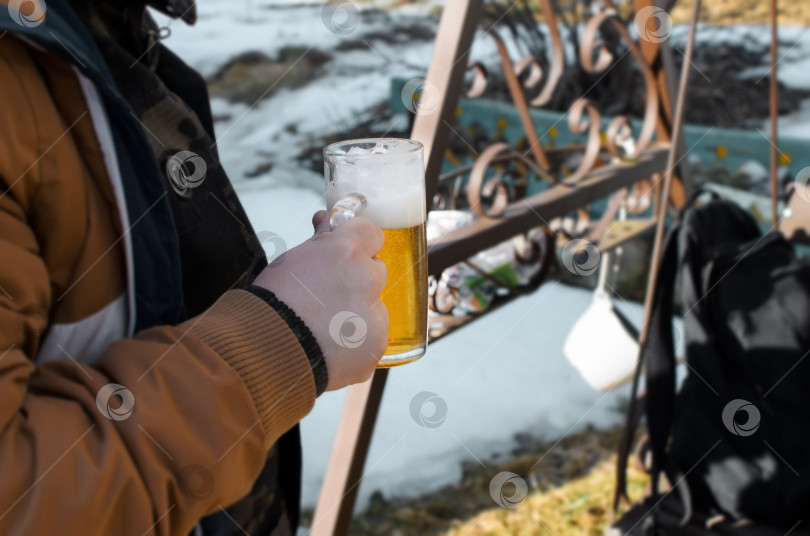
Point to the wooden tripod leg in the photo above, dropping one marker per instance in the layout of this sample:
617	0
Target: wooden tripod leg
333	513
336	503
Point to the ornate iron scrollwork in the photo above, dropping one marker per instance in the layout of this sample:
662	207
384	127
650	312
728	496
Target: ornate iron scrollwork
489	190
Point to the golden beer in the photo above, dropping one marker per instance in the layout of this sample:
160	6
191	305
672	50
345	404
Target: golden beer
405	293
383	179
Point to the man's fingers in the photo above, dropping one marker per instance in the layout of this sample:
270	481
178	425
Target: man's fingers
368	234
320	222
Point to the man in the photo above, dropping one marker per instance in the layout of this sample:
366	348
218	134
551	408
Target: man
152	367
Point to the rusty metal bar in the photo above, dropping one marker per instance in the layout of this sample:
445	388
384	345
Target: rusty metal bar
336	502
446	74
652	279
516	91
333	513
659	57
677	132
669	92
541	208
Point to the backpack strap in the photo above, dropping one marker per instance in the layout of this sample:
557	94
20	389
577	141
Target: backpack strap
626	323
658	348
637	407
658	358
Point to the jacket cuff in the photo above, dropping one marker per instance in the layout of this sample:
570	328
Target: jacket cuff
260	346
305	337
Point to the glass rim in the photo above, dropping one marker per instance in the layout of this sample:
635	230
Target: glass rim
414	146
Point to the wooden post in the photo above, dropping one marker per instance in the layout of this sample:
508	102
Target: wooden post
333	513
659	58
446	74
336	503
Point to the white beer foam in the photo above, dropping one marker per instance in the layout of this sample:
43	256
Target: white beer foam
393	186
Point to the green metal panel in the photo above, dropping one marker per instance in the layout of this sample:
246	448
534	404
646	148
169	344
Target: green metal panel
715	147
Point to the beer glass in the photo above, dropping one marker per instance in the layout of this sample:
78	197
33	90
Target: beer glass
384	180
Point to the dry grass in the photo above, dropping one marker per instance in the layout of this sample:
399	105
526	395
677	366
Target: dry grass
571	486
580	507
796	13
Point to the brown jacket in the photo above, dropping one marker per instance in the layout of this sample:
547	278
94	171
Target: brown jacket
102	432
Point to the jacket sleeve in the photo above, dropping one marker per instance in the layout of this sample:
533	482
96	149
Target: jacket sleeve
167	427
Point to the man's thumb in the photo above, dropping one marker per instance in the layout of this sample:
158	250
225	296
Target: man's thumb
320	222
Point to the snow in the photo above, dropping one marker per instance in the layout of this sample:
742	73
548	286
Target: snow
284	211
796	124
226	29
793	55
504	375
280	127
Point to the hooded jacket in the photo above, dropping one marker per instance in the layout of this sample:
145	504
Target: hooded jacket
143	381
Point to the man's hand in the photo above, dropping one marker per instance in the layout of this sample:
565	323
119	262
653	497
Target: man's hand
333	283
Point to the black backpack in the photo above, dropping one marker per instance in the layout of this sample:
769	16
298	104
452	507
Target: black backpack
735	440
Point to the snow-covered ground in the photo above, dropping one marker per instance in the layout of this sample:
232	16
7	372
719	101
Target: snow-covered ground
353	81
504	375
